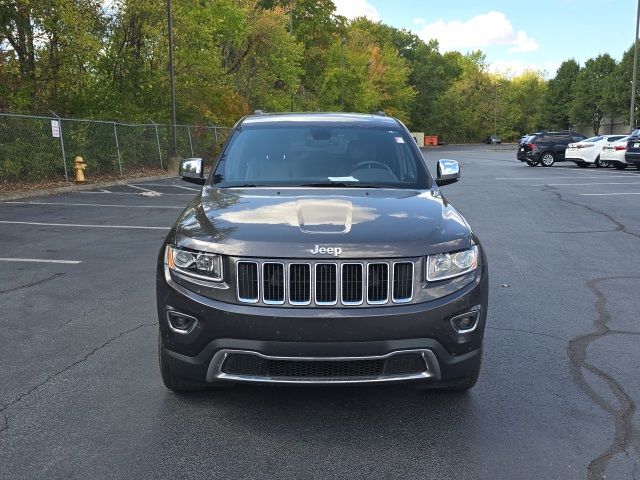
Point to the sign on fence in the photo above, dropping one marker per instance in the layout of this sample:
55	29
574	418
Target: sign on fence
55	128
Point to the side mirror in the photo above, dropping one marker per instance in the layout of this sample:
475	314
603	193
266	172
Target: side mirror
192	170
448	172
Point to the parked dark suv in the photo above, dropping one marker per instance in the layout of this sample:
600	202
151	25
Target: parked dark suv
546	148
321	251
632	155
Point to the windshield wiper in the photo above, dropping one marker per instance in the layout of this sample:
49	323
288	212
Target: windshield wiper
340	185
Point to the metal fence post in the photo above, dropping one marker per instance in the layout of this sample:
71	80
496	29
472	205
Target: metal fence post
215	133
64	155
158	143
190	143
115	134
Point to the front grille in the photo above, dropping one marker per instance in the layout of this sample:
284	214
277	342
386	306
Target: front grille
248	364
349	283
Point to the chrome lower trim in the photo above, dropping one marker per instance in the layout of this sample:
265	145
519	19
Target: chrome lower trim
215	373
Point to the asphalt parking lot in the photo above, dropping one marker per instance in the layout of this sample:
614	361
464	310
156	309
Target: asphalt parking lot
81	395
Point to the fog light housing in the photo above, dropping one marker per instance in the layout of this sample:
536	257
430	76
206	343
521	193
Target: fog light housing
181	323
466	322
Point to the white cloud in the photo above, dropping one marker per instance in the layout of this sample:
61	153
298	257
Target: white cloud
484	30
357	8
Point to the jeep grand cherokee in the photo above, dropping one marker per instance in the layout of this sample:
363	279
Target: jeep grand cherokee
321	251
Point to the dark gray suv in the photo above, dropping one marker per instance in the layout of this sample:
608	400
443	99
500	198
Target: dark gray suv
321	251
546	148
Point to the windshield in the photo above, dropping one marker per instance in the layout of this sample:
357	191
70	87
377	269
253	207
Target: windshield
320	155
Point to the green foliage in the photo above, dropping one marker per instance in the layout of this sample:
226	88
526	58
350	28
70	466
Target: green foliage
560	95
618	93
589	106
90	58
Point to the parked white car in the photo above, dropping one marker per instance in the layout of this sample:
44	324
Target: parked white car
613	153
587	152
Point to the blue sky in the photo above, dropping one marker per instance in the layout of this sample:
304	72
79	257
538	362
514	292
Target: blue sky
515	35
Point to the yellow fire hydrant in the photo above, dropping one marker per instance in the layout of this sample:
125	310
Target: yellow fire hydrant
79	167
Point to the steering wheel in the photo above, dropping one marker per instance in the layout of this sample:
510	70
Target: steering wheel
374	163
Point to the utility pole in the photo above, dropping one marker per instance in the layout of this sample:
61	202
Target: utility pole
291	33
173	149
632	114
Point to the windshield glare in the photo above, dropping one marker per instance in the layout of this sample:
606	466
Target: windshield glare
319	155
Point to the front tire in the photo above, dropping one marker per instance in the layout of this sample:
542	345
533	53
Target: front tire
547	159
582	164
170	379
620	166
532	163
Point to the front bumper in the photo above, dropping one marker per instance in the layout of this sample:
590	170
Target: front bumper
323	334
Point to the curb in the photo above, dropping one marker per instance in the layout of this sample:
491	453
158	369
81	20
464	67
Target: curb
87	186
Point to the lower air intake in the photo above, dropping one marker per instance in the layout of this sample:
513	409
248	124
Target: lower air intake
250	365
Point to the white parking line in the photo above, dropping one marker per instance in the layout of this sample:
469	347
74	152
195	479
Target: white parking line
39	260
92	205
131	193
133	227
582	184
607	194
170	185
142	188
617	175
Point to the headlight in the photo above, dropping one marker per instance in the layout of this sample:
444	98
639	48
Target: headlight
207	266
448	265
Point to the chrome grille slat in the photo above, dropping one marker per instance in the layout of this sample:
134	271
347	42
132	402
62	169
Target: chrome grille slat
378	283
402	282
273	282
326	283
352	284
299	283
247	284
322	283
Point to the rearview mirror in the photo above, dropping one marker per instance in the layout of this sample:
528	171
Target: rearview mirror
448	172
192	170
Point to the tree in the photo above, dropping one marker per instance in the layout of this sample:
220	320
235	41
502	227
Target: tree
588	106
364	76
47	48
560	95
521	104
617	95
466	109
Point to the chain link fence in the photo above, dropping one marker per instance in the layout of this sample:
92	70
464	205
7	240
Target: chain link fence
43	149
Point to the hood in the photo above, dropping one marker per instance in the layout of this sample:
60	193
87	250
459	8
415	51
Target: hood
295	222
